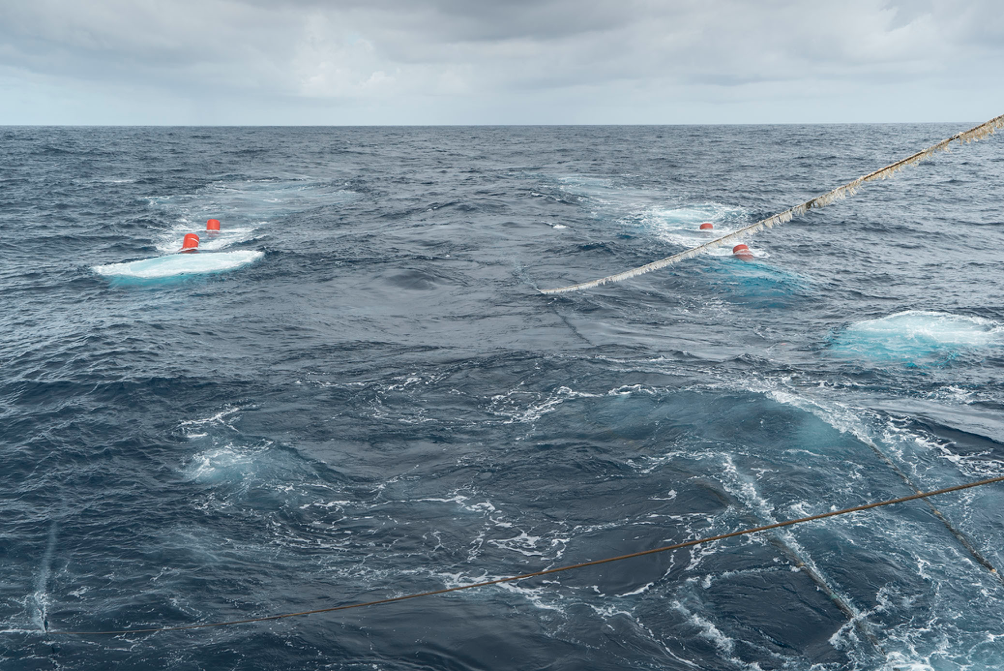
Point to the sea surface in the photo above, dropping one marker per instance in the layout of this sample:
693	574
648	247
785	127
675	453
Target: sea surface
356	391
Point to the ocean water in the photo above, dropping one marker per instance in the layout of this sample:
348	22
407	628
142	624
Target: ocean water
356	392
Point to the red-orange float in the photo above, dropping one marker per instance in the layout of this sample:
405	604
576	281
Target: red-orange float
189	244
742	252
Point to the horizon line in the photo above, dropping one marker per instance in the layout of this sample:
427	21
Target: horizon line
493	125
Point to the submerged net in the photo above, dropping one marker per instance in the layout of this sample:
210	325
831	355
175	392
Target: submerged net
849	189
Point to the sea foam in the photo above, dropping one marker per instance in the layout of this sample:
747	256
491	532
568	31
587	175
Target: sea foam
917	334
179	264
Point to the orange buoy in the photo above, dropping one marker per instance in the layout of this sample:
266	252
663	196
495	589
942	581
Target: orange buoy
189	244
742	252
707	226
213	225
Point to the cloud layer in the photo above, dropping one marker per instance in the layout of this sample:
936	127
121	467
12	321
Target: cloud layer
508	61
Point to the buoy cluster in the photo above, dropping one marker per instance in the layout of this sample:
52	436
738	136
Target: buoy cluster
190	243
741	252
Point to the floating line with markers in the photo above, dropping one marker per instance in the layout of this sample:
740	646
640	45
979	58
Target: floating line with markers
839	193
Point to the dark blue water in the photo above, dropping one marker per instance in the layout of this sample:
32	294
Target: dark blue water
381	402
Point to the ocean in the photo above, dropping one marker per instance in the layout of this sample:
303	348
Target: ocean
362	394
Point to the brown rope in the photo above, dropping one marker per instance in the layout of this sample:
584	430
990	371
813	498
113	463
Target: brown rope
523	576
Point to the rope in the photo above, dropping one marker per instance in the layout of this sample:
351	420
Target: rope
972	135
524	576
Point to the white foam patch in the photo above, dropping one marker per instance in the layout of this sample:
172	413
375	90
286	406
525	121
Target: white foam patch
233	469
707	630
510	405
170	241
681	225
918	333
243	207
896	661
179	264
587	183
227	463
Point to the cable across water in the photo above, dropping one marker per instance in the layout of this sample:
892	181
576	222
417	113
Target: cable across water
972	135
524	576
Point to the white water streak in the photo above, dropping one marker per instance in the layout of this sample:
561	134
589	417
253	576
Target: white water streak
41	595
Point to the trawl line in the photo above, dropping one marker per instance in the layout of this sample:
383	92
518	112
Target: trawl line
849	189
524	576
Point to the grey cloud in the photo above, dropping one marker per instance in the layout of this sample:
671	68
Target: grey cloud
400	50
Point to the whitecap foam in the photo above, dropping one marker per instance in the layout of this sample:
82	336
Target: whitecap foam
508	405
243	207
918	334
681	225
227	463
707	630
224	418
170	241
586	182
179	264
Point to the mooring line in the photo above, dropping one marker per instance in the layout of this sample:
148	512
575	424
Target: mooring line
972	135
524	576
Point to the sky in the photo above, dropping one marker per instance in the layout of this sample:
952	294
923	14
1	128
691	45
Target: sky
430	62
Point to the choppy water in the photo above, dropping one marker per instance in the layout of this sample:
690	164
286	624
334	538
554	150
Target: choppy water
382	402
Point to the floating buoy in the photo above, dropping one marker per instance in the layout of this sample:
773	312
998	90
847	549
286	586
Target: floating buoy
213	225
742	252
189	244
707	226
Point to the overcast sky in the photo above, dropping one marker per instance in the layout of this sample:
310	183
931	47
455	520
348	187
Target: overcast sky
499	61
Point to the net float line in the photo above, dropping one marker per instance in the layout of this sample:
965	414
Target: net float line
534	574
839	193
